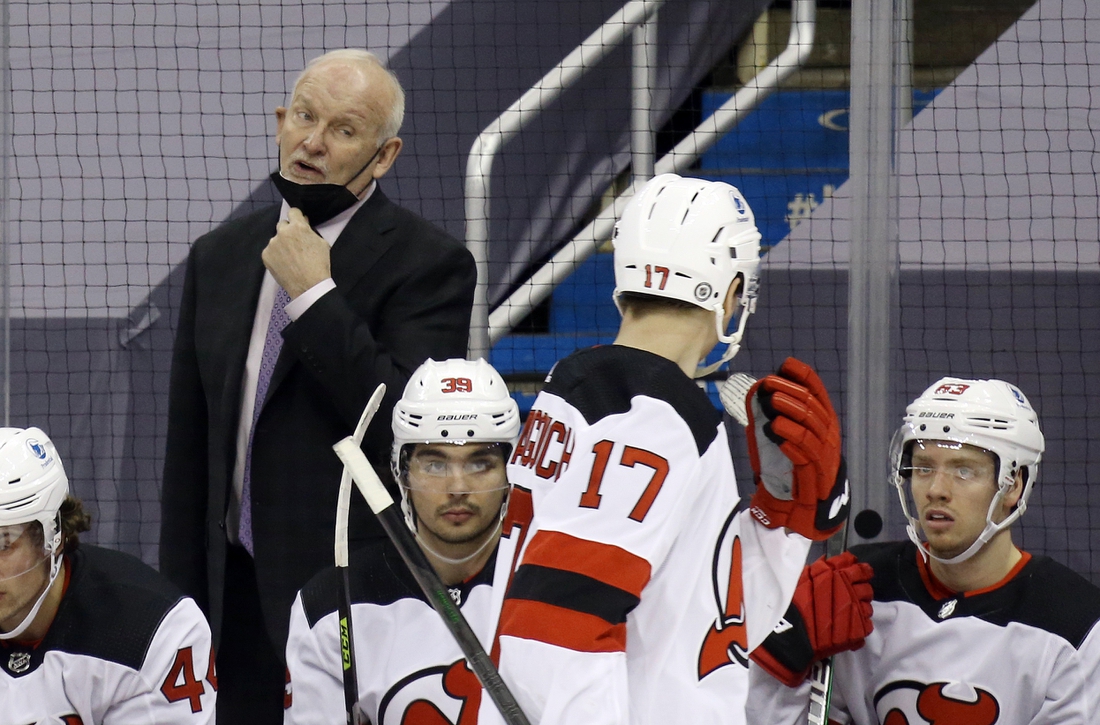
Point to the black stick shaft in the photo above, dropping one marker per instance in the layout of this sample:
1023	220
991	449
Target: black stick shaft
347	652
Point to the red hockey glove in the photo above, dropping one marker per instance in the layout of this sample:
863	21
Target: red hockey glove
830	613
794	448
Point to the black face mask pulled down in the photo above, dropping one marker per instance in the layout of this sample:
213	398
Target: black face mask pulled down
319	202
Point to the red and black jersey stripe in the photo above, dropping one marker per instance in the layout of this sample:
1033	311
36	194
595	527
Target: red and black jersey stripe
574	593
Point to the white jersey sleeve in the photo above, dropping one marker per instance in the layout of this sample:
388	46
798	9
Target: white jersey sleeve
314	662
177	683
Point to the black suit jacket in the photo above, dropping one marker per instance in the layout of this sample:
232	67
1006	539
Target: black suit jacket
404	290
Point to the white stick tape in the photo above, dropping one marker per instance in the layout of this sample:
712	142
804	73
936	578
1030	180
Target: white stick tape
378	498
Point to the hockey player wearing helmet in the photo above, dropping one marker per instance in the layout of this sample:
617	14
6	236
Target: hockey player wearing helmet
638	584
86	634
454	429
967	626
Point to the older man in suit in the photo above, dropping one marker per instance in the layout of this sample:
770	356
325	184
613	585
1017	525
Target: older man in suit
281	339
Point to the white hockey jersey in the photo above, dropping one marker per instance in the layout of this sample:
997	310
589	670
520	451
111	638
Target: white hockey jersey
1025	651
409	669
125	647
640	587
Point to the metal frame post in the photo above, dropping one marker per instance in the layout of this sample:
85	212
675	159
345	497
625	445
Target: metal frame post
873	268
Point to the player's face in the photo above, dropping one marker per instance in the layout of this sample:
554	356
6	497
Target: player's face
952	486
24	573
457	492
331	129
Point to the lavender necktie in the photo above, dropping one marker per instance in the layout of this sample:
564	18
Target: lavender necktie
272	344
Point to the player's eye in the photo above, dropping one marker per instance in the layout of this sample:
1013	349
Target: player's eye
965	473
434	468
477	466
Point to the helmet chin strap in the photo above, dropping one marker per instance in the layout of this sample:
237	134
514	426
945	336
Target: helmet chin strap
55	568
464	559
733	341
991	529
982	540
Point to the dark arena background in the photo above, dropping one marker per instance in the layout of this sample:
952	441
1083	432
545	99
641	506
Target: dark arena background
927	191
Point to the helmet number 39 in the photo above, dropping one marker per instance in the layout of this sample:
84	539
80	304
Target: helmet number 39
457	385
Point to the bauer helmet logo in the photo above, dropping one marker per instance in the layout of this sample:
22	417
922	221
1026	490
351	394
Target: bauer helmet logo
951	389
703	291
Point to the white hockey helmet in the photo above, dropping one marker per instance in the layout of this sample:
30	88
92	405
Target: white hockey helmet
989	414
688	239
453	401
33	483
33	486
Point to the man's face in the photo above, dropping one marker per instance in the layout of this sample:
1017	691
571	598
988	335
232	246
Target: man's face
24	572
331	128
952	486
456	490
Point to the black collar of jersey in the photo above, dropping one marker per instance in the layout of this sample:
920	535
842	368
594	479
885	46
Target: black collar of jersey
604	380
1043	593
378	575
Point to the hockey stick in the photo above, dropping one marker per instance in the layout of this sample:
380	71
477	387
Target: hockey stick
821	674
392	521
734	393
343	504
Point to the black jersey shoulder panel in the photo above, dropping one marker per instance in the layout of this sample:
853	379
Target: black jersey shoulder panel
377	575
1044	594
602	381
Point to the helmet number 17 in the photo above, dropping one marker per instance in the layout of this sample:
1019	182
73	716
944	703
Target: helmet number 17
649	272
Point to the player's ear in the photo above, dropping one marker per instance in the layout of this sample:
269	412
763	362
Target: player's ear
730	304
1012	496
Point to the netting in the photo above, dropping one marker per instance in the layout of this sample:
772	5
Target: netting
136	127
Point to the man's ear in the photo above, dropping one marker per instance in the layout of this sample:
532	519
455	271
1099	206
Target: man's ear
280	118
390	149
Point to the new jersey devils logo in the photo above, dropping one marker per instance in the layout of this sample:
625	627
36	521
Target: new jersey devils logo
727	642
939	703
444	695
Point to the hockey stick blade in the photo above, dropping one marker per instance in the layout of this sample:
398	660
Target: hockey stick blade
734	396
344	495
381	503
352	712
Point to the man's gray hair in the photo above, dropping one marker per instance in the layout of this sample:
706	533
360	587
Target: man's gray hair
392	124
